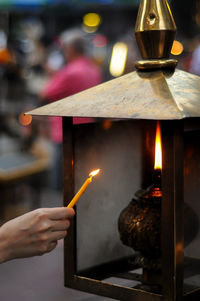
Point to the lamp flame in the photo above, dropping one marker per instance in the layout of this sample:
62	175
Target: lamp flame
158	148
94	173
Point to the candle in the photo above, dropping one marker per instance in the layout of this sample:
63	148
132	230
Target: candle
83	188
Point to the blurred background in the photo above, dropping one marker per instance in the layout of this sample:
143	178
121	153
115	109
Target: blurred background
31	53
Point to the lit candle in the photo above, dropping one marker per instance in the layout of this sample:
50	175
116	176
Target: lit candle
83	188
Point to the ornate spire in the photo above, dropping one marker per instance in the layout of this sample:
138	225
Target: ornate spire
155	30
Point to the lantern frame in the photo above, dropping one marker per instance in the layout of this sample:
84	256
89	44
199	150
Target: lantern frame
172	234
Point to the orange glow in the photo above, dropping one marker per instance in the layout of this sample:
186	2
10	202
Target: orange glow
177	48
197	18
107	125
158	148
94	173
5	56
25	119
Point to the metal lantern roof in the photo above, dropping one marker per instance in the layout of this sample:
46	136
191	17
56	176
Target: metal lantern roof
145	94
137	95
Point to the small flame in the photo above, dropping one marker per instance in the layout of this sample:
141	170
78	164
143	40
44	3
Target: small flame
158	149
94	173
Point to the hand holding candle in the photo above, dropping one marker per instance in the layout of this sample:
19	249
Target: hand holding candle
83	188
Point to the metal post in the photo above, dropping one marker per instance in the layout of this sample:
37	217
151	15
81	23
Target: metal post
172	211
68	192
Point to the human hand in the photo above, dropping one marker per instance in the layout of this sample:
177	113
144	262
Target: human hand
34	233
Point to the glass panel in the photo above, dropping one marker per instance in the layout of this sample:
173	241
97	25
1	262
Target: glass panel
115	148
192	204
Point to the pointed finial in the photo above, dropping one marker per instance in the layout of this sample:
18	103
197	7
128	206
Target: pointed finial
155	31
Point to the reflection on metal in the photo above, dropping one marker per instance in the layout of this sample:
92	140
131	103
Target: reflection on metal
156	64
155	29
137	95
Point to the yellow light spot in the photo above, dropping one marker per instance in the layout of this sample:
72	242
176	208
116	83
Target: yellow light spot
25	119
118	59
177	48
92	20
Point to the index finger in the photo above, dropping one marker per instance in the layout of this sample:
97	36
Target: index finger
60	213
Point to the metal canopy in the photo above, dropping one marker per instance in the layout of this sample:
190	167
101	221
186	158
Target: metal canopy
137	95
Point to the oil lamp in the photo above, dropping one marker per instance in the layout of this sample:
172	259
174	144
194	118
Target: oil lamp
140	222
156	91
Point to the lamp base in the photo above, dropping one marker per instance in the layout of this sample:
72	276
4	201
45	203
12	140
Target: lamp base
148	264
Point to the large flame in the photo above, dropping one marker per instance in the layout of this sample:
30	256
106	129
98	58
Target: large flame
94	173
158	148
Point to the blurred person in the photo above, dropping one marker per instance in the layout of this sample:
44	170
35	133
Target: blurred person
195	61
34	233
55	60
78	74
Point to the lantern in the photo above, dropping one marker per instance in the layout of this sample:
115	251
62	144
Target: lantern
127	109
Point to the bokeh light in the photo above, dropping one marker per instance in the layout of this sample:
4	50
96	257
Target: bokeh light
177	48
89	29
107	124
25	120
5	56
118	59
197	18
92	20
100	40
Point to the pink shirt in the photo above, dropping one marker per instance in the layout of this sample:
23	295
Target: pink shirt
76	76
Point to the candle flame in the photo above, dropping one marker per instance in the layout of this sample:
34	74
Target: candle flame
94	173
158	148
